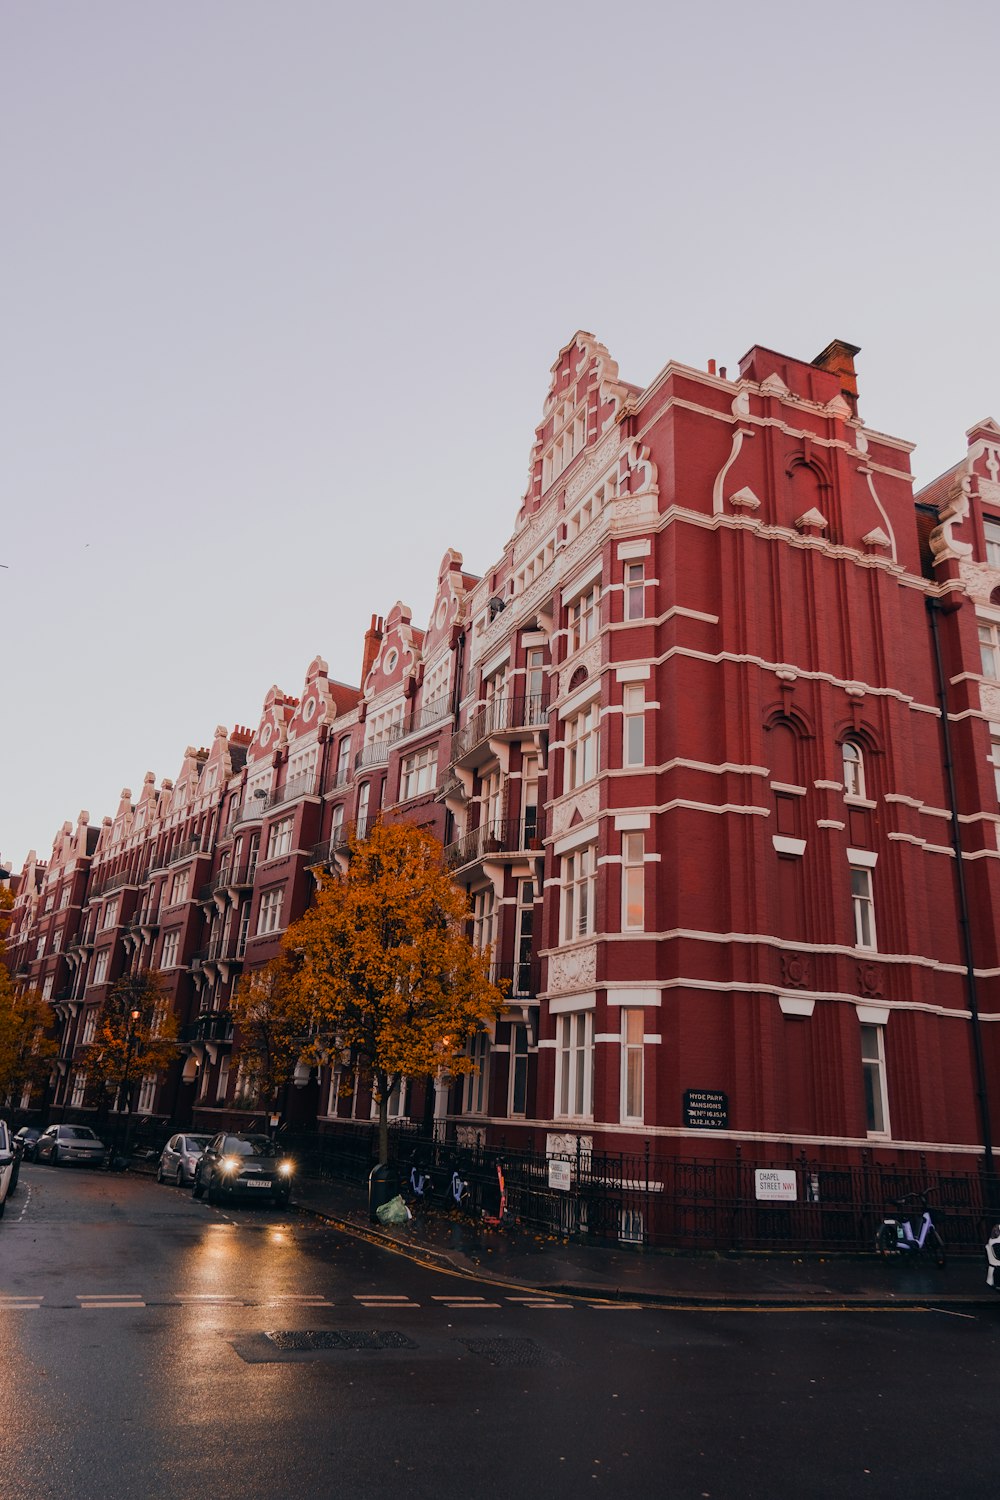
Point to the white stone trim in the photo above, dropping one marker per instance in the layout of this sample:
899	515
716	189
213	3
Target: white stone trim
788	788
497	660
831	823
628	551
579	583
862	857
633	674
591	689
632	822
564	1005
640	996
829	786
783	845
585	833
797	1005
873	1015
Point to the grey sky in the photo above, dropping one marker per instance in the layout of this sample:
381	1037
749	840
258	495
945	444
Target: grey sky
282	284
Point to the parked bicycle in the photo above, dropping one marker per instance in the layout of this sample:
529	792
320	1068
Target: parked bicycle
911	1231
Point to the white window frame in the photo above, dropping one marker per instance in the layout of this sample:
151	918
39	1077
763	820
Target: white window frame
279	838
110	915
583	617
582	747
853	766
873	1070
179	886
989	649
102	961
476	1086
517	1078
147	1095
863	906
575	1066
634	583
578	879
484	919
419	773
269	911
995	755
633	882
170	949
364	799
634	724
79	1088
991	536
633	1070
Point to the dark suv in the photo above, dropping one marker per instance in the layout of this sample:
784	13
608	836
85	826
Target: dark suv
243	1167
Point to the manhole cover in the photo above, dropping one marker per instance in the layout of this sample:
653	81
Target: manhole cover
507	1351
305	1339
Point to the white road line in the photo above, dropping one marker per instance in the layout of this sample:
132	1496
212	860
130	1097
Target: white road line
207	1299
541	1302
300	1301
86	1305
615	1306
453	1301
109	1296
24	1210
469	1306
15	1302
387	1304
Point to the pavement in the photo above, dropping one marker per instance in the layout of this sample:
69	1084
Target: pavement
519	1257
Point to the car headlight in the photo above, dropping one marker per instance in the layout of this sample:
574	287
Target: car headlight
230	1163
286	1168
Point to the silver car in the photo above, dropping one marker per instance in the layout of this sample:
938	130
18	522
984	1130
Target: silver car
180	1157
63	1145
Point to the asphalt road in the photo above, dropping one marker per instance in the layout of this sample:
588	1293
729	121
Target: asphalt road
155	1347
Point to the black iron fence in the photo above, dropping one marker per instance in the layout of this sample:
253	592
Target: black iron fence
724	1204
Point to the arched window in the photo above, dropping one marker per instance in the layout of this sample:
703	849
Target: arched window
854	769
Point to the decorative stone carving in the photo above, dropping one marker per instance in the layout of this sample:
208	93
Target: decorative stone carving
589	658
744	498
812	522
877	538
469	1135
944	544
989	700
586	803
565	1143
869	979
795	971
573	970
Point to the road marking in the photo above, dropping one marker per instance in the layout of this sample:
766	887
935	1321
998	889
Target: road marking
466	1304
542	1302
17	1302
110	1301
615	1306
375	1301
314	1301
204	1299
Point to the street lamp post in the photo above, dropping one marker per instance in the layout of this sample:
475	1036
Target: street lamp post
125	1090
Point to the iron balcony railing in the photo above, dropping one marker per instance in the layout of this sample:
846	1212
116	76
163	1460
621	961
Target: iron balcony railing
321	853
228	949
210	1026
186	849
495	836
375	754
115	882
518	980
299	786
502	716
233	877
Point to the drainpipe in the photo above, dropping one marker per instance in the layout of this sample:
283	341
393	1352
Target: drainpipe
933	608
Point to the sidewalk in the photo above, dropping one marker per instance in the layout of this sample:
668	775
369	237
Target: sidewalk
524	1258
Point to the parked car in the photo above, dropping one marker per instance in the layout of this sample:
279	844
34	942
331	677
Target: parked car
243	1166
8	1163
63	1144
24	1141
180	1157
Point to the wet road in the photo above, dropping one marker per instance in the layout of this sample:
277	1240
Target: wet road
153	1346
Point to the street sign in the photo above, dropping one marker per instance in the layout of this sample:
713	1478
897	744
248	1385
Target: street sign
706	1109
559	1175
773	1185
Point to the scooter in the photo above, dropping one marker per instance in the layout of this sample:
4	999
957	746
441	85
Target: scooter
993	1258
910	1232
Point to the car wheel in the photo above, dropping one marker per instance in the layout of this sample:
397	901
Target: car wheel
199	1187
159	1173
179	1179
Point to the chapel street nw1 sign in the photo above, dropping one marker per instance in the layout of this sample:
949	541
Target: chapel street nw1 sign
706	1109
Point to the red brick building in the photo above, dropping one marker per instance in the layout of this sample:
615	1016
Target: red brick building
684	743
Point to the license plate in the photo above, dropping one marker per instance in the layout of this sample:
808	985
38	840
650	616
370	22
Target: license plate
264	1182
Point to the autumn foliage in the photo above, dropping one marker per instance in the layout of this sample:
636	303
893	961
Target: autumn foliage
27	1047
383	964
126	1045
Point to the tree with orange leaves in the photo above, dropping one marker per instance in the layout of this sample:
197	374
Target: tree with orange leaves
384	964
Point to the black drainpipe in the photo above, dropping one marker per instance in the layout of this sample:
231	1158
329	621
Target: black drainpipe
933	607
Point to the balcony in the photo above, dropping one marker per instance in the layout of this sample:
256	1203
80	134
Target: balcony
116	882
498	837
375	754
211	1026
299	786
235	877
321	853
517	980
222	950
185	850
502	717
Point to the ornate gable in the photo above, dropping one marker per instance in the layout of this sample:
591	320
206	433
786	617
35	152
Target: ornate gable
272	731
399	655
316	705
584	397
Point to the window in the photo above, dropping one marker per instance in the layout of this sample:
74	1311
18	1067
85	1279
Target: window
279	840
397	1103
492	802
991	530
989	650
343	761
269	916
995	755
179	888
333	1098
529	801
584	618
633	1022
864	906
79	1088
64	899
635	591
633	882
517	1090
483	919
89	1027
476	1086
534	682
171	943
244	929
364	793
101	961
222	1084
110	915
523	938
147	1094
634	726
419	773
569	431
574	1064
40	948
579	883
47	987
854	769
581	747
873	1066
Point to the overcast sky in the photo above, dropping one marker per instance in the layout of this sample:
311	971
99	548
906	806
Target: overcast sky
282	283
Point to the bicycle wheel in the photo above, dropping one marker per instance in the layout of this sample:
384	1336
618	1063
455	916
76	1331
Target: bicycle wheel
936	1247
885	1241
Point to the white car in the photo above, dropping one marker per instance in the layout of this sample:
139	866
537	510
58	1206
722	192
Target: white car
6	1165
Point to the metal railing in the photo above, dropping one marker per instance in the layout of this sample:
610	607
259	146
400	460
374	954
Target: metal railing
496	836
210	1026
519	979
233	877
375	754
502	716
185	850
